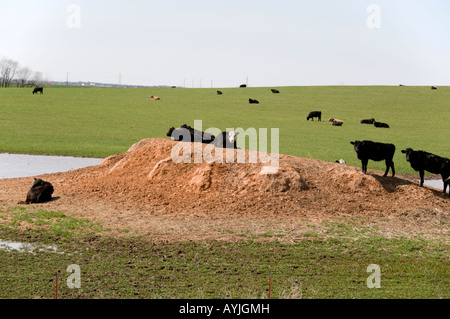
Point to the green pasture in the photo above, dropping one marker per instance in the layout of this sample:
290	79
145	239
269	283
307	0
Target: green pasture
98	122
317	267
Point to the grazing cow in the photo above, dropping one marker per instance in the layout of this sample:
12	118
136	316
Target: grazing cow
40	192
243	86
38	89
434	88
274	91
219	92
314	114
380	124
155	98
368	150
226	140
251	101
369	121
195	135
335	122
422	161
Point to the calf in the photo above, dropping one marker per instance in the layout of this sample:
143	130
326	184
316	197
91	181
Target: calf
369	121
251	101
219	92
194	135
226	140
274	91
40	192
422	161
335	122
38	89
314	114
379	124
368	150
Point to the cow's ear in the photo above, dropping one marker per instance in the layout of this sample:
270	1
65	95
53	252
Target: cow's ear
353	143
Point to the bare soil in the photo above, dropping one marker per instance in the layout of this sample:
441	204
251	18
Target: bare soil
143	192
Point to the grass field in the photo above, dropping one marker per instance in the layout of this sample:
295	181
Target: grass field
327	268
98	122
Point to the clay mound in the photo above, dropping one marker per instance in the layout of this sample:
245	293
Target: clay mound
146	176
144	190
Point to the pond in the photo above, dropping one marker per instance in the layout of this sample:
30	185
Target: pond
22	165
436	183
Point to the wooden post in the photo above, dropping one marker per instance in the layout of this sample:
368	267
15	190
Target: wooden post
270	284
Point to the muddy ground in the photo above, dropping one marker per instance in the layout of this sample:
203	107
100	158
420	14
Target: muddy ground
143	192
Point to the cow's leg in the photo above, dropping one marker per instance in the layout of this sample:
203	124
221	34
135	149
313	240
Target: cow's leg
364	166
446	181
421	174
389	164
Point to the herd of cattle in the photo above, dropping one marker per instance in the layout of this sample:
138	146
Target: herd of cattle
421	161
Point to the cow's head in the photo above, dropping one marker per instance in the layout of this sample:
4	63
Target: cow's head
356	145
408	152
169	133
232	137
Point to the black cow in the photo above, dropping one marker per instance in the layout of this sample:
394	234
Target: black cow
219	92
40	192
274	91
422	161
368	150
251	101
369	121
38	89
226	140
380	124
434	88
314	114
195	135
243	86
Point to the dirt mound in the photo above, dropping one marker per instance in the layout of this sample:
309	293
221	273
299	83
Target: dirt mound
146	181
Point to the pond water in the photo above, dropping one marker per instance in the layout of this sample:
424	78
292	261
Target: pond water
25	247
22	165
436	183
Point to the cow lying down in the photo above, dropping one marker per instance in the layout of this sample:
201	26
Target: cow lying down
188	134
40	192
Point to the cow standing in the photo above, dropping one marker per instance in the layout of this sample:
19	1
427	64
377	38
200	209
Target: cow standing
38	89
368	150
314	114
422	161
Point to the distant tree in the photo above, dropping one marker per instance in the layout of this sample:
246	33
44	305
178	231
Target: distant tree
8	69
36	79
22	76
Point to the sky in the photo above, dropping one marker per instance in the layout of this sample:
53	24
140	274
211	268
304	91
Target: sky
211	43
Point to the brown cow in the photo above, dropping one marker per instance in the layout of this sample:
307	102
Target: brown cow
155	98
335	122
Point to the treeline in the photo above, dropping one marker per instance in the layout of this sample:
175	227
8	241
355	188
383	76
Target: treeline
12	74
